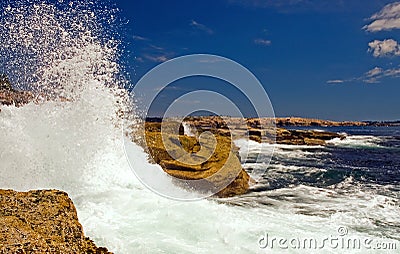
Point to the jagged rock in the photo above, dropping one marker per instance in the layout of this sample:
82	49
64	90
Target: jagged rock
9	96
42	221
187	158
17	98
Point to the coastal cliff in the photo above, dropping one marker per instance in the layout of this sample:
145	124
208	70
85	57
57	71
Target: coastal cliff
41	221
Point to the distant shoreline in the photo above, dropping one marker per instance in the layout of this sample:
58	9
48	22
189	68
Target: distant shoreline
306	122
9	96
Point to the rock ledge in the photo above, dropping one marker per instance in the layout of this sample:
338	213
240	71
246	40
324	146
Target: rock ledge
41	221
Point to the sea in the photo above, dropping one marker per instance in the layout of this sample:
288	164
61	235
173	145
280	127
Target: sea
340	198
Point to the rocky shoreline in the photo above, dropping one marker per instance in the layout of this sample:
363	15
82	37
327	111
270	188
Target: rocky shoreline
178	153
46	220
298	121
262	130
41	221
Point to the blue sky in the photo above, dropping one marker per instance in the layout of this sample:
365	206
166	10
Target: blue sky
326	59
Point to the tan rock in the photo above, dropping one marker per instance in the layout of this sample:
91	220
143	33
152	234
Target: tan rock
43	221
17	98
297	121
213	158
314	142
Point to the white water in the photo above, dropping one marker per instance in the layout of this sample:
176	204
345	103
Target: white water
356	141
77	146
187	130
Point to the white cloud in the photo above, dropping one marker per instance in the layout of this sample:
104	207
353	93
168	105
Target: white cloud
156	54
384	48
140	38
386	19
156	59
262	42
173	88
395	72
156	47
139	59
374	72
372	80
335	81
372	76
201	27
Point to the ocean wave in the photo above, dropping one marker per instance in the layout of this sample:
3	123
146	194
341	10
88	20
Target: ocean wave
357	141
344	206
249	150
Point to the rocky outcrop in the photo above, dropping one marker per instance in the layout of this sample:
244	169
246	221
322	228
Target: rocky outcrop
215	160
10	96
259	128
5	83
384	123
297	121
263	130
17	98
42	221
301	137
194	158
217	122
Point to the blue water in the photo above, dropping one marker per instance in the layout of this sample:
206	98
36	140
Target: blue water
356	179
357	130
369	155
373	158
